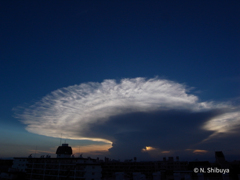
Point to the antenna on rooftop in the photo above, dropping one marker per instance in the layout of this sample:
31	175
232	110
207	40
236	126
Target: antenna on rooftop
61	139
35	152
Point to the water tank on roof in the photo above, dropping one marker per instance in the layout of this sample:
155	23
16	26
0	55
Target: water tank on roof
64	151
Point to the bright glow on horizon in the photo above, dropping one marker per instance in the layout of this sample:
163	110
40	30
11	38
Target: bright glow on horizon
91	149
199	151
148	148
154	152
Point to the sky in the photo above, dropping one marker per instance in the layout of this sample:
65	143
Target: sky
121	79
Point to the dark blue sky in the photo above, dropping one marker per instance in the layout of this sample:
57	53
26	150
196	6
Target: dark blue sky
48	45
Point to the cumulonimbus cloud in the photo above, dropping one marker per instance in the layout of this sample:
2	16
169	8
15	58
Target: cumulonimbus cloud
69	112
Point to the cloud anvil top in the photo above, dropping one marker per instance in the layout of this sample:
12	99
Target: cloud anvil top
90	110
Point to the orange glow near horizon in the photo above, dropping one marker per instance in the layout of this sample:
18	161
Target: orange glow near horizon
197	151
91	149
151	149
165	152
148	148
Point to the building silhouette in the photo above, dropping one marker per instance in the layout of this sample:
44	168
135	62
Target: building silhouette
66	166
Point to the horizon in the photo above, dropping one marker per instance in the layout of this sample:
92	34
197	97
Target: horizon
78	154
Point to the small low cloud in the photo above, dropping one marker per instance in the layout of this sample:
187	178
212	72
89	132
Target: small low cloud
151	149
199	151
148	148
165	152
131	115
154	152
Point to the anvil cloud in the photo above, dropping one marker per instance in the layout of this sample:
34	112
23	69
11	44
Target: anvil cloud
92	110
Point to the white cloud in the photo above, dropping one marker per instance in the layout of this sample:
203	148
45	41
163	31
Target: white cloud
70	111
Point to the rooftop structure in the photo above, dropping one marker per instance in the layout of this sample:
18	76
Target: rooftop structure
64	151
